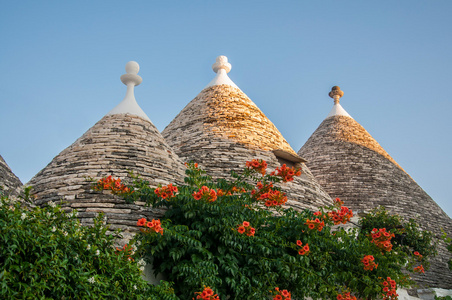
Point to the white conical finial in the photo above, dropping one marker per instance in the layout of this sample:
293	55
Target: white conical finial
337	110
129	103
222	68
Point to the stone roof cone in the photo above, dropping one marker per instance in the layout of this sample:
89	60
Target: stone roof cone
123	140
222	128
9	182
349	163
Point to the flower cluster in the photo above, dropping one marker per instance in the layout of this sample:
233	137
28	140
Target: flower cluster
342	215
274	198
338	202
389	289
205	193
369	263
258	165
141	263
234	189
282	295
418	255
167	191
195	165
115	185
303	249
245	228
419	269
345	296
154	225
315	224
269	195
286	173
382	239
321	215
238	190
261	189
127	250
220	193
207	294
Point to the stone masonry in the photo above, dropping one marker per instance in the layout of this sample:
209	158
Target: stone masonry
351	165
8	181
114	146
222	128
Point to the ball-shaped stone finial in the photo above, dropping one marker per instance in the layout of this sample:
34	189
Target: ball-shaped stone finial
132	67
336	93
221	63
132	77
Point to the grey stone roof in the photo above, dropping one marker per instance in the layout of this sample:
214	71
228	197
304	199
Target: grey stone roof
222	128
348	162
114	146
8	181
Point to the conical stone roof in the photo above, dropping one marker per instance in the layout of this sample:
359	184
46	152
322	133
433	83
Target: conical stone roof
222	128
9	182
124	140
350	164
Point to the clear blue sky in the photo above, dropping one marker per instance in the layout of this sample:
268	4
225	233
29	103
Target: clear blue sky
60	63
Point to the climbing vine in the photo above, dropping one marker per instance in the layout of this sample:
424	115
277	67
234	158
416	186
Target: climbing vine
233	239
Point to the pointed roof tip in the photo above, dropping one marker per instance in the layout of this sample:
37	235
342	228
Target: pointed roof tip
337	109
129	104
221	67
226	112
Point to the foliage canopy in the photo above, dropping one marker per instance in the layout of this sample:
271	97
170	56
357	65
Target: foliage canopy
219	239
46	254
204	242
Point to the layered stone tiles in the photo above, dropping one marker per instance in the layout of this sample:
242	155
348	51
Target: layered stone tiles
9	182
115	145
350	164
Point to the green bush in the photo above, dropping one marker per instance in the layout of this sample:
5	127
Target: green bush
232	236
409	238
202	243
46	254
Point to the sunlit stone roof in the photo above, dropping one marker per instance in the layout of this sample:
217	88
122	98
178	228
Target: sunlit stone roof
222	128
